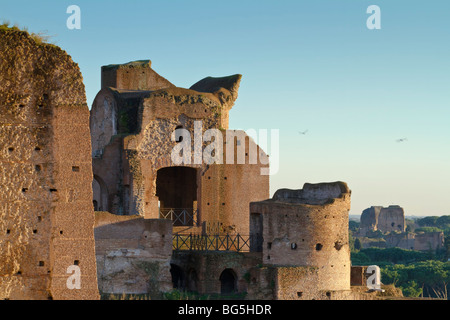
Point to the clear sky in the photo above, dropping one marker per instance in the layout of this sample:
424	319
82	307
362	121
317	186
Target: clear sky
306	65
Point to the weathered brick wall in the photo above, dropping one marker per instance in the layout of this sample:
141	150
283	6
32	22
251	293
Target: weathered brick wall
429	241
133	254
383	219
208	267
128	154
298	233
391	218
46	214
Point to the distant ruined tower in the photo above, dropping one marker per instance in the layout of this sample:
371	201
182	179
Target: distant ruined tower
377	218
46	213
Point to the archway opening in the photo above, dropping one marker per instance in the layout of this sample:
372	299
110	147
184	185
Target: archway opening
176	189
100	194
191	281
227	282
177	277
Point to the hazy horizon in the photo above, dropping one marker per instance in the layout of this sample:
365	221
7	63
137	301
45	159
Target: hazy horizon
307	66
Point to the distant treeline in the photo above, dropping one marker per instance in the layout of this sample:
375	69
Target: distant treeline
434	223
417	273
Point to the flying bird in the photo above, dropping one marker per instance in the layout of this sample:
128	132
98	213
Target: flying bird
303	132
402	140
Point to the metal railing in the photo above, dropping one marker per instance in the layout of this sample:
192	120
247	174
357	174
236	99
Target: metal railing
196	242
180	217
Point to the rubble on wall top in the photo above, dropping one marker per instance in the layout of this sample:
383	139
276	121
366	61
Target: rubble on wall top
313	194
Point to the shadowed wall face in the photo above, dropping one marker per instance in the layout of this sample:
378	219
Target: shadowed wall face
46	211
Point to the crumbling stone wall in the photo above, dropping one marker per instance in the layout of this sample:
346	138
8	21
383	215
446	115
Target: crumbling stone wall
201	271
133	119
133	255
46	214
429	241
307	228
383	219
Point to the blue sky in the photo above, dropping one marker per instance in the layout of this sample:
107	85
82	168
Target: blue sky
306	65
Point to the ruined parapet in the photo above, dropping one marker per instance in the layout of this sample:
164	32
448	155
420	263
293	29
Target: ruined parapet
377	218
306	228
47	219
135	75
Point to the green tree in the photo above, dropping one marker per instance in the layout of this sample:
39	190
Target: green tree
428	221
443	222
433	276
357	244
428	229
411	289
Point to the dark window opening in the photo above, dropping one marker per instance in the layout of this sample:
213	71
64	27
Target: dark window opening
299	294
227	282
392	224
177	276
76	169
53	190
38	168
176	188
319	246
41	263
191	281
269	245
293	246
76	262
24	190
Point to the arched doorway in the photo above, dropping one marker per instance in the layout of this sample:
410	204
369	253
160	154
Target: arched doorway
176	189
177	277
100	194
228	281
191	281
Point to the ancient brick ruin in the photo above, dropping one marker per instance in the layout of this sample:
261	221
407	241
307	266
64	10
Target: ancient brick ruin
46	212
100	191
305	236
387	219
133	119
391	223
